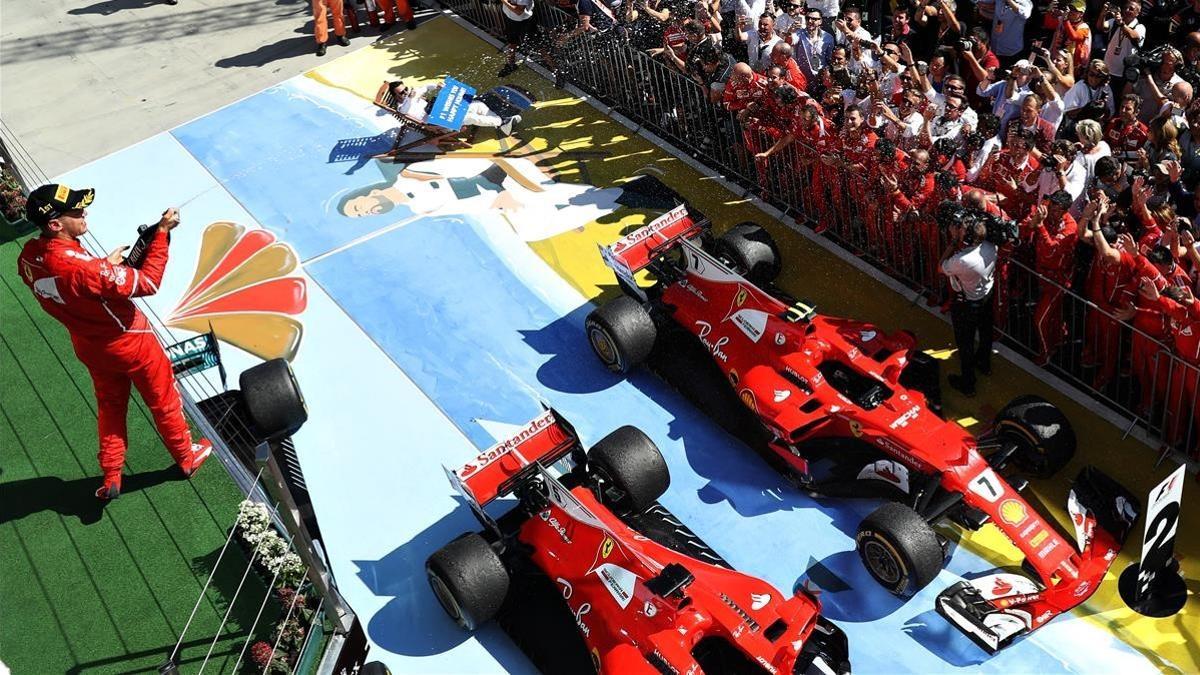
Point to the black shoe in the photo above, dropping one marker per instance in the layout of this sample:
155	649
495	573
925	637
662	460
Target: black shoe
508	69
984	369
343	41
320	49
411	25
172	2
385	26
956	381
560	79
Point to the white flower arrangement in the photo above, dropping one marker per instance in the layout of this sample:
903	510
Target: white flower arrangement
274	553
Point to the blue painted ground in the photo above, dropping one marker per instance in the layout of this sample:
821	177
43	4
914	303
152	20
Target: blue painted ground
484	329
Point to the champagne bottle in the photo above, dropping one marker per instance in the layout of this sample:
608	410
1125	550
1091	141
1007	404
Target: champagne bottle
137	253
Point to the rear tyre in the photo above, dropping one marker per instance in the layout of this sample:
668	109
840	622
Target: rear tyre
1043	434
273	399
621	333
630	468
899	549
468	579
752	251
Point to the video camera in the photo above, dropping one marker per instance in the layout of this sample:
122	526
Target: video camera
1000	231
1137	65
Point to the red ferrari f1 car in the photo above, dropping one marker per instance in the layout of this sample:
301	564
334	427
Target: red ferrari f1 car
845	409
642	599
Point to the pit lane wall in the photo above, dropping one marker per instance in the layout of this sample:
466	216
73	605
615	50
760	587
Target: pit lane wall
425	334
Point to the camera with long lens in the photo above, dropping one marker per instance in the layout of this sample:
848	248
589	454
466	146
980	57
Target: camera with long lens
1137	65
1000	231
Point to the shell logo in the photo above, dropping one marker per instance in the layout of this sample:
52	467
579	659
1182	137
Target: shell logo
747	397
1013	512
245	289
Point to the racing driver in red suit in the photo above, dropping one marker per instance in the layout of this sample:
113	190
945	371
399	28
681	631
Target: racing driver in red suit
93	298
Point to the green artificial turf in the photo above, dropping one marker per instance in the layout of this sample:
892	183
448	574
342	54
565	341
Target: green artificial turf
91	589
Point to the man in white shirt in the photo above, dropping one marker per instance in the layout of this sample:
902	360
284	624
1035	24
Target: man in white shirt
970	265
1125	34
851	25
1085	97
1008	28
1059	171
759	43
950	124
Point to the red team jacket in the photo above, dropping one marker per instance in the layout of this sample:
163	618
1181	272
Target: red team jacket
89	295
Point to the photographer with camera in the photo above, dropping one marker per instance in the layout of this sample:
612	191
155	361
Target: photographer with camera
1091	98
975	60
1059	171
1072	32
1157	75
969	263
1125	33
1008	29
1007	89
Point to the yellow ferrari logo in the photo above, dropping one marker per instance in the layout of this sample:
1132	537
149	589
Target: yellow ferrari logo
62	193
740	299
856	428
607	547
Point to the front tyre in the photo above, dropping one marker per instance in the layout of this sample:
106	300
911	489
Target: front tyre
630	469
273	399
621	333
899	549
1043	434
468	579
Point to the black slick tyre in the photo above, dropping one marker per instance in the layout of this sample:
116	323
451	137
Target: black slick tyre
899	549
630	468
1043	434
622	334
273	399
468	579
752	251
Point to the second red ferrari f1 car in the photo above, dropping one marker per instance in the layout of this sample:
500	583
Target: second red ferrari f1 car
846	410
632	591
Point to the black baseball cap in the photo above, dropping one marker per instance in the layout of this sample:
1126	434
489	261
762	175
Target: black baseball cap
50	201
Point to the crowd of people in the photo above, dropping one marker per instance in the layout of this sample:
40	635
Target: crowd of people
1073	122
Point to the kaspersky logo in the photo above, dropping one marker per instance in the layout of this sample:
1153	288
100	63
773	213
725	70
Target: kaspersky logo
246	290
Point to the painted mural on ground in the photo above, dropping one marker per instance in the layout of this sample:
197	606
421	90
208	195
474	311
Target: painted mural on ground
444	300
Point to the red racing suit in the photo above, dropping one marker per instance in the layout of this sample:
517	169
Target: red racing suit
1054	251
1112	289
93	299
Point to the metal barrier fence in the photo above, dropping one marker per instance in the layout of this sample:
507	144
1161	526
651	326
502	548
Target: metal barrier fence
1126	369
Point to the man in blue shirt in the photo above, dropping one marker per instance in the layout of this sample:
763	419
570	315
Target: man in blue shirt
1008	29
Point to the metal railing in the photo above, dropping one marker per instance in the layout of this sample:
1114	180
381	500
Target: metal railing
1126	369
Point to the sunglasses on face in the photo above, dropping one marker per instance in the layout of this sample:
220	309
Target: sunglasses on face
953	108
893	52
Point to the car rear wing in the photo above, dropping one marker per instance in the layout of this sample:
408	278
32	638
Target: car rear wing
636	250
994	610
495	472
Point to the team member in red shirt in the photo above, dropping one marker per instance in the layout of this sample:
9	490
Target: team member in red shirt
1054	235
93	298
1007	168
1125	134
1183	310
1112	285
744	87
781	55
